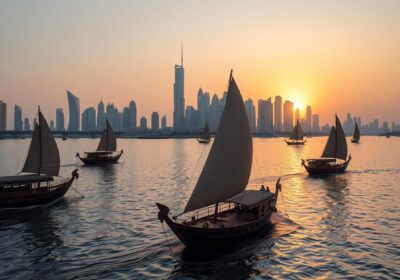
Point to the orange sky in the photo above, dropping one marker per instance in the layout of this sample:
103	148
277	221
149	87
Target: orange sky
336	57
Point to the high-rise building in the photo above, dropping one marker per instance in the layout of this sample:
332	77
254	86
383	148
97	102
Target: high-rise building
203	107
52	125
143	122
18	124
251	113
308	126
60	119
27	126
89	119
215	112
3	116
179	96
190	116
118	120
101	116
164	122
132	115
315	123
265	116
288	116
297	115
125	119
74	112
278	114
155	121
111	115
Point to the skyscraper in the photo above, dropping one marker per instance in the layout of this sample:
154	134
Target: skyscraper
132	115
179	96
111	115
18	124
89	119
251	113
203	107
265	116
101	116
315	123
308	119
125	119
190	116
3	116
287	116
297	115
143	122
52	125
74	112
164	122
27	126
155	121
60	119
215	112
278	114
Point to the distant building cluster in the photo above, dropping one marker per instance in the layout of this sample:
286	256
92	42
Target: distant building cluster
271	117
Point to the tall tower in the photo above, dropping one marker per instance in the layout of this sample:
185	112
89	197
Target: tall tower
3	116
18	124
179	95
278	114
101	116
287	116
308	119
74	112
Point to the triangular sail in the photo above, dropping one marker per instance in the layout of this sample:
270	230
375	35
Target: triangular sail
297	133
108	141
228	166
336	147
43	156
330	147
206	132
356	135
341	144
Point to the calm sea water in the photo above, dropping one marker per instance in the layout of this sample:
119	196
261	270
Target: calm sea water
340	226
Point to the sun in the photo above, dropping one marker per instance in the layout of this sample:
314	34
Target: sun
298	105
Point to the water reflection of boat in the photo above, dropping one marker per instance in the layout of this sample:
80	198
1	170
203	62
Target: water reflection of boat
205	136
334	157
106	151
356	135
37	184
296	138
221	210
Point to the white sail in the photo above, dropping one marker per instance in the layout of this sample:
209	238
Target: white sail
108	141
336	147
43	156
341	144
356	135
228	166
330	147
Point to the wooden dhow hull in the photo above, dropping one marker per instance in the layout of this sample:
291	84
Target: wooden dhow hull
355	141
203	141
314	169
100	160
39	196
295	143
209	238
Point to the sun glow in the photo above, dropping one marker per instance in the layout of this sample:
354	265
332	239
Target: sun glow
298	105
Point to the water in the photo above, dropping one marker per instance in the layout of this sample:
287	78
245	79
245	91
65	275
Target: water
341	226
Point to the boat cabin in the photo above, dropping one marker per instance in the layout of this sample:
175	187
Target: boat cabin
24	182
241	209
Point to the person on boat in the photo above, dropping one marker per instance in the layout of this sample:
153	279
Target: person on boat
268	190
262	189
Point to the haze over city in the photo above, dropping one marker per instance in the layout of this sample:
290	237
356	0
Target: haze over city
123	51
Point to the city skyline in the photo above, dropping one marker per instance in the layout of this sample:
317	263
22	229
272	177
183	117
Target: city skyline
344	64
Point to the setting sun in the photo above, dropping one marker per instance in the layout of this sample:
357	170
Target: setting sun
298	105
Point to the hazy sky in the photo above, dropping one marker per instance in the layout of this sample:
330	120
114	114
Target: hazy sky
337	56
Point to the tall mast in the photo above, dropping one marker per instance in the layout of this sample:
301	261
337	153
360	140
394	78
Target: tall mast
182	53
40	143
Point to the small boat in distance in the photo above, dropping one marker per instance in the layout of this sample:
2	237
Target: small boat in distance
296	138
36	184
64	137
205	136
220	211
106	151
334	158
356	135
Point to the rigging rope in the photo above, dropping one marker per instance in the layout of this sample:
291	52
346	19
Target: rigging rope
165	234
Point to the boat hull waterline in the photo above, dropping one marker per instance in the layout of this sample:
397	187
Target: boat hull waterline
111	159
41	196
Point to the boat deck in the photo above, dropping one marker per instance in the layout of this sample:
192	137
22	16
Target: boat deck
227	219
